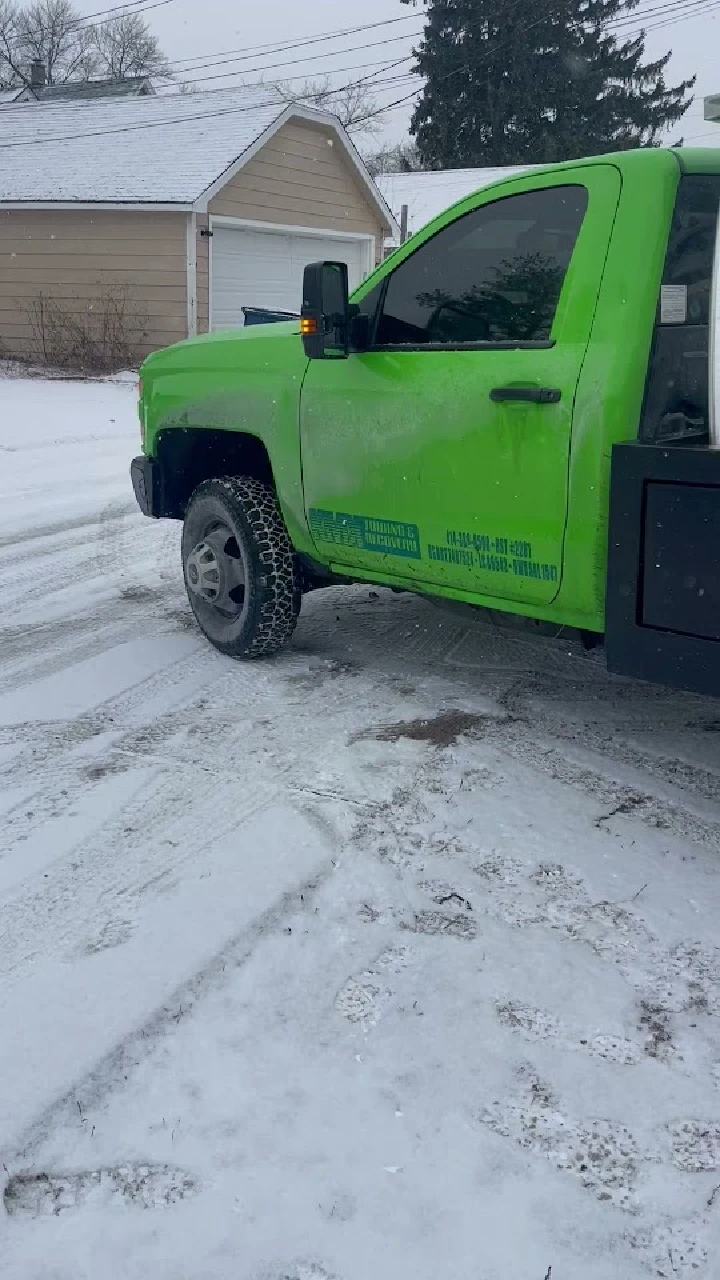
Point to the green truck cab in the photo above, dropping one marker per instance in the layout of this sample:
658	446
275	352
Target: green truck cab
518	410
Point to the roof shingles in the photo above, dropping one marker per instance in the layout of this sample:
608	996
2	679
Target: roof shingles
145	150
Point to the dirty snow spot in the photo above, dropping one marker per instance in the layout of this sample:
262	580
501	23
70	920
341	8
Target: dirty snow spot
368	914
538	1024
654	1022
672	1251
145	1186
300	1270
364	996
444	894
532	1022
438	923
690	977
362	999
496	868
602	1155
395	958
612	1049
627	929
442	730
696	1146
552	878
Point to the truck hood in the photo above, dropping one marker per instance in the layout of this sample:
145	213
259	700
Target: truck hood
210	350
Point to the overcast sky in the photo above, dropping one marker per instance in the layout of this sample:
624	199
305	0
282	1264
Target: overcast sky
206	30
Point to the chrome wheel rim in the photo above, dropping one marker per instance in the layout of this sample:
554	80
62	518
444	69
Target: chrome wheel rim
216	574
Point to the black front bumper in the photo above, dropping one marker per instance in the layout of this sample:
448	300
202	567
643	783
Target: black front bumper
147	485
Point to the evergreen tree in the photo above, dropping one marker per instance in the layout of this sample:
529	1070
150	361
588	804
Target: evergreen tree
532	81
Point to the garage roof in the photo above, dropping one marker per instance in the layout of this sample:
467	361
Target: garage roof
429	192
175	150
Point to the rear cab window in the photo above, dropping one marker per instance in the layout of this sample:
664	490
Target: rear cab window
676	408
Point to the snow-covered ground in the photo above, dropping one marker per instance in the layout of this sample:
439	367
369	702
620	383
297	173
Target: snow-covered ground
395	957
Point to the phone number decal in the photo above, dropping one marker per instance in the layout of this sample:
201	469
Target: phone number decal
492	555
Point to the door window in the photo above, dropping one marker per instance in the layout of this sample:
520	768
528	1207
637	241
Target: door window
492	276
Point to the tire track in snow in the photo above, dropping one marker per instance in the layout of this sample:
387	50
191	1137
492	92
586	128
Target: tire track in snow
205	685
138	851
112	1071
193	799
56	571
38	532
419	640
48	744
527	700
525	745
65	648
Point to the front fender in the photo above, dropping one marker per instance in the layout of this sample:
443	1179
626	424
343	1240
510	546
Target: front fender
245	380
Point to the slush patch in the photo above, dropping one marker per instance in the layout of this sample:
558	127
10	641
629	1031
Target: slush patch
364	533
442	730
602	1155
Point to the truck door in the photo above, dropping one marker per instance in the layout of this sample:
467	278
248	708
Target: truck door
441	453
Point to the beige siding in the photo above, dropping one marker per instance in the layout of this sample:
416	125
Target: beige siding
74	257
299	179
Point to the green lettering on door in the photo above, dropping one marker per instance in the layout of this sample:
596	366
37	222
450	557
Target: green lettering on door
366	533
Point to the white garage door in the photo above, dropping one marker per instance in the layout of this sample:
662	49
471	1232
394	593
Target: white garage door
253	268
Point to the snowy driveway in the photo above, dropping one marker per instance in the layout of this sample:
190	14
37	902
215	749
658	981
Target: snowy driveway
395	957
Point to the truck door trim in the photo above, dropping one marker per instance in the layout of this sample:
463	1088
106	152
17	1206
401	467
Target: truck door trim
714	348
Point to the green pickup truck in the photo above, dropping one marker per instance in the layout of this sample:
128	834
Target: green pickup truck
519	409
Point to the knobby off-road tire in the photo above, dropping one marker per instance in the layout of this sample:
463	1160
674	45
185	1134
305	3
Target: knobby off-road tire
240	572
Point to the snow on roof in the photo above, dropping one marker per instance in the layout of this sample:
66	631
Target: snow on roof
165	149
430	192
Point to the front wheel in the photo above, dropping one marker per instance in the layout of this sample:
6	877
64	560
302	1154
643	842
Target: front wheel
240	572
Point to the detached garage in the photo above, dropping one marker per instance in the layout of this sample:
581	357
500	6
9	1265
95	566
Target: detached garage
264	266
166	216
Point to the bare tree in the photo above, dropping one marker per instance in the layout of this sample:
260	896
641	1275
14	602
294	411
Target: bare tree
403	157
126	46
354	105
53	33
8	44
